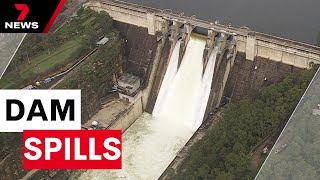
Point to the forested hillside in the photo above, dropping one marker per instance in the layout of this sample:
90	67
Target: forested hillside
44	55
300	158
224	153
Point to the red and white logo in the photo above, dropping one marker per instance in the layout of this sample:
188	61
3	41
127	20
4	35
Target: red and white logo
72	149
20	24
28	16
24	11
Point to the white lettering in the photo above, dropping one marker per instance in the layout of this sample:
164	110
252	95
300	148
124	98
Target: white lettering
33	148
49	149
117	152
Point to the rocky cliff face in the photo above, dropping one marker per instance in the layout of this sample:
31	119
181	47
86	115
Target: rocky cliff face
137	58
247	78
140	49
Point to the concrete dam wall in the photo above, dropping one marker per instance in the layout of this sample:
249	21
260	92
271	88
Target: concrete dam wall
186	102
185	96
253	44
160	135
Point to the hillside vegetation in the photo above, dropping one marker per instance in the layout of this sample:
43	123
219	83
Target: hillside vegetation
53	53
300	160
224	153
43	55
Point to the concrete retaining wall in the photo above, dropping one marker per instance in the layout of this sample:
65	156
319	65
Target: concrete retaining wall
147	92
129	117
280	53
140	105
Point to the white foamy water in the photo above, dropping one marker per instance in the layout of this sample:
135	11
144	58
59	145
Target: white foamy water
181	103
205	87
152	142
168	79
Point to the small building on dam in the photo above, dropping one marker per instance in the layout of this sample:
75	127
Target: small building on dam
128	87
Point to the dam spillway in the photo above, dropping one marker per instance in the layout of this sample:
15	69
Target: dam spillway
168	79
205	88
153	141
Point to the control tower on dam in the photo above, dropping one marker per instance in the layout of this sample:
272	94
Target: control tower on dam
253	44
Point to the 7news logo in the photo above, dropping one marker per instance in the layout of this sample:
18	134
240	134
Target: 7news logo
19	24
28	16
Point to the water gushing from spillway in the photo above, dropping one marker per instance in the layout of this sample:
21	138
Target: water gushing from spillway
182	99
152	142
168	79
205	87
